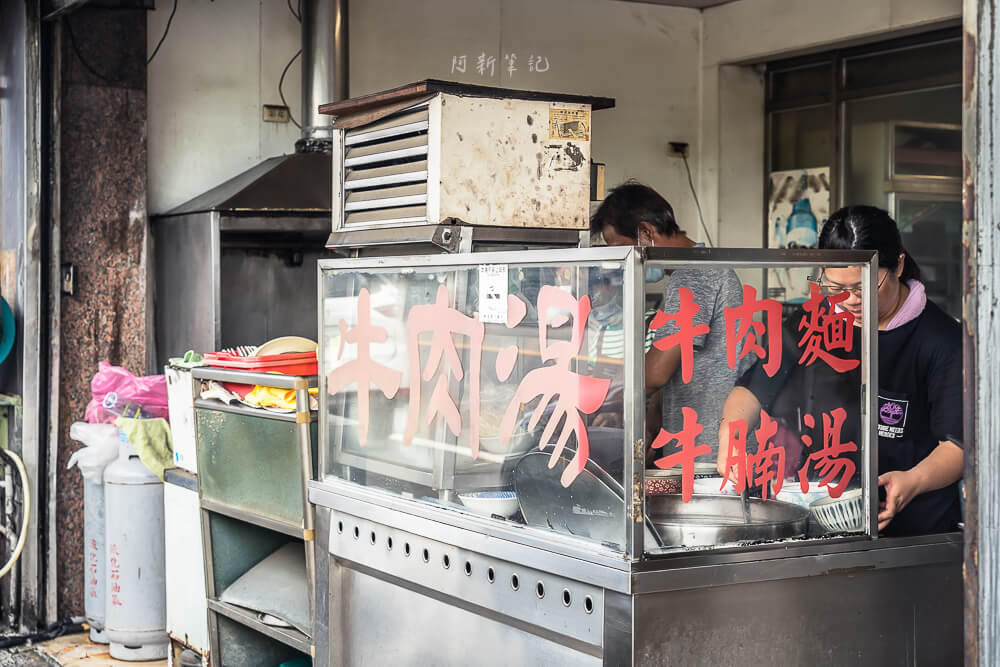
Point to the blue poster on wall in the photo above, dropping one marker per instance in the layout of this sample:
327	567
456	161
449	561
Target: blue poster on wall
798	206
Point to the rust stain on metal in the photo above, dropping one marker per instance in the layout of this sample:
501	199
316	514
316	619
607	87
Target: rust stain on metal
638	460
968	247
969	66
637	497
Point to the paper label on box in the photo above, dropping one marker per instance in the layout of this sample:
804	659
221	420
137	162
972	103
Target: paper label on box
493	293
569	124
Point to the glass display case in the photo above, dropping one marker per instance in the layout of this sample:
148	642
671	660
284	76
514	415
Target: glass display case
527	390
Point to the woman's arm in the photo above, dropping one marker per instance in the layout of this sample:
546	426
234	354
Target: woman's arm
943	466
741	404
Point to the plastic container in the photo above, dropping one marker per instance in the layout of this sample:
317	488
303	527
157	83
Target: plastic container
291	363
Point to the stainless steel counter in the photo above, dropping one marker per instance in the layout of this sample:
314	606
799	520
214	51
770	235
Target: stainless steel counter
427	585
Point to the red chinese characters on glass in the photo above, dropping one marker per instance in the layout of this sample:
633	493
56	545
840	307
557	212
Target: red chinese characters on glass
742	328
687	450
686	330
826	330
443	323
576	393
767	466
760	469
830	460
363	370
736	456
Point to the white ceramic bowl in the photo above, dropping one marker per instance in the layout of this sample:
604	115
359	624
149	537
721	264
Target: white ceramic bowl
502	503
840	515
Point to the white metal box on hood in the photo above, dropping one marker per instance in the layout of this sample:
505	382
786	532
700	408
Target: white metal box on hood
467	158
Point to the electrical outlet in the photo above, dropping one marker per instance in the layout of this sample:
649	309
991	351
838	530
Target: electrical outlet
275	113
679	148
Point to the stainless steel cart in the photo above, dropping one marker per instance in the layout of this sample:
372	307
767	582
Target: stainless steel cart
253	467
419	563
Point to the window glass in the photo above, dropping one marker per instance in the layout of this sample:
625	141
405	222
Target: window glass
939	62
902	137
810	82
802	139
491	389
773	389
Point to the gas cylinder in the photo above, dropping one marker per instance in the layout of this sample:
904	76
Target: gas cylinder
94	584
101	442
136	617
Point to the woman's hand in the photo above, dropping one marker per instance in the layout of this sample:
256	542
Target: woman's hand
943	466
900	488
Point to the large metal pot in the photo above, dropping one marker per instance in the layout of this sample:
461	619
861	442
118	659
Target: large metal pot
709	520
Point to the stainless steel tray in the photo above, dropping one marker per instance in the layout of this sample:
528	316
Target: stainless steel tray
709	520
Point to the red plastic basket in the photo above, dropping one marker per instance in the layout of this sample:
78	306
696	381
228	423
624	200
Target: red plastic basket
290	363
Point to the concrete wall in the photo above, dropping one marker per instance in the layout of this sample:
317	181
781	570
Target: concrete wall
220	62
645	56
205	91
731	177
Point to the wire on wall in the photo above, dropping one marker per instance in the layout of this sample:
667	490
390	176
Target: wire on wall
694	194
79	55
164	36
296	14
281	82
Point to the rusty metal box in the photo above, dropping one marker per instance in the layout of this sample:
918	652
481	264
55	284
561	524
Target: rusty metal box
438	152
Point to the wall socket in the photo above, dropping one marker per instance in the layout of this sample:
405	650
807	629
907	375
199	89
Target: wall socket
275	113
679	148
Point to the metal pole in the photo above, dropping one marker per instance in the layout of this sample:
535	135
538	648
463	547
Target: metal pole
324	68
981	330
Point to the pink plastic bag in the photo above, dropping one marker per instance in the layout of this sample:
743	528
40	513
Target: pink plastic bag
116	392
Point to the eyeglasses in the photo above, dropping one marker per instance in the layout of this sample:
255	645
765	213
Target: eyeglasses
833	289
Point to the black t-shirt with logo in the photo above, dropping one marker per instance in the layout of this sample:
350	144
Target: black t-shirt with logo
919	404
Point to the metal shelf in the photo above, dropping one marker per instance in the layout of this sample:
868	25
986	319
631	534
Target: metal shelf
249	469
214	404
288	636
248	377
266	522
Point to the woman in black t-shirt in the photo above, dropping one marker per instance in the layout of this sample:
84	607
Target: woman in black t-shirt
920	380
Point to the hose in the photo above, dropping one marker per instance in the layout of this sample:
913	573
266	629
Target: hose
25	514
69	626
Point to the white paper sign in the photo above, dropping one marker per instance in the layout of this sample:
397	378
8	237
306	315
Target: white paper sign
493	293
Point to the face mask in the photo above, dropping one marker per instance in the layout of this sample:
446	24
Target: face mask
607	314
654	275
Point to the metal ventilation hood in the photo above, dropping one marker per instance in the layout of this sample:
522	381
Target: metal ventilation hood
298	184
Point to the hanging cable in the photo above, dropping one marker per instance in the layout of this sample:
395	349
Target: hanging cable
296	14
25	512
79	56
164	36
694	194
281	94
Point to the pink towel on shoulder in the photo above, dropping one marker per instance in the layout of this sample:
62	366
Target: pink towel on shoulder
915	303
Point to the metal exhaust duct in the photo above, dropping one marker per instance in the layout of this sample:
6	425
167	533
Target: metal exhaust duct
324	69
